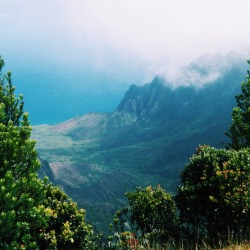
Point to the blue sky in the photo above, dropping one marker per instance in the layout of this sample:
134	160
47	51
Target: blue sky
104	46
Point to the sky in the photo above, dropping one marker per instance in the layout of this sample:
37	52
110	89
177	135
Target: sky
104	46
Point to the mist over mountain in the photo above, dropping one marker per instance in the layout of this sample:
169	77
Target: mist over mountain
54	92
146	140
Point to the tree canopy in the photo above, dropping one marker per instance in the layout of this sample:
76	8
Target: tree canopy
150	214
239	131
34	214
214	195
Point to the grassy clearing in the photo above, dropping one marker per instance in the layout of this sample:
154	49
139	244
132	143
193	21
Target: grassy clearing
48	138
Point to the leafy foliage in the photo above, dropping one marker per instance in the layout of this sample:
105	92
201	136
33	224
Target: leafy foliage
33	213
64	226
12	106
214	195
239	131
150	214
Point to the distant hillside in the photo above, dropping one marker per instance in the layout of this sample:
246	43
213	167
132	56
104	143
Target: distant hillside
146	140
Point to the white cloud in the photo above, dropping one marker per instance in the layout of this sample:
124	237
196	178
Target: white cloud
137	25
133	37
160	34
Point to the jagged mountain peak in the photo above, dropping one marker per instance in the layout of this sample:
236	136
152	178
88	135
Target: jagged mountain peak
158	101
141	102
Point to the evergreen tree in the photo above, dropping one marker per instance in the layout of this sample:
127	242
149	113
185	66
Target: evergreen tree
239	131
33	213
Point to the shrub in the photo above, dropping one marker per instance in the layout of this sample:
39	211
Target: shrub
150	215
214	195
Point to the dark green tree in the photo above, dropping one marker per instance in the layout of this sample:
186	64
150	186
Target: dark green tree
239	131
151	214
214	195
33	213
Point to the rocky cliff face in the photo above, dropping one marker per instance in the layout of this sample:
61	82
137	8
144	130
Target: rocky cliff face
143	103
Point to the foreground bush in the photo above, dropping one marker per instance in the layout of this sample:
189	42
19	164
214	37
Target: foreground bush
149	217
214	195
